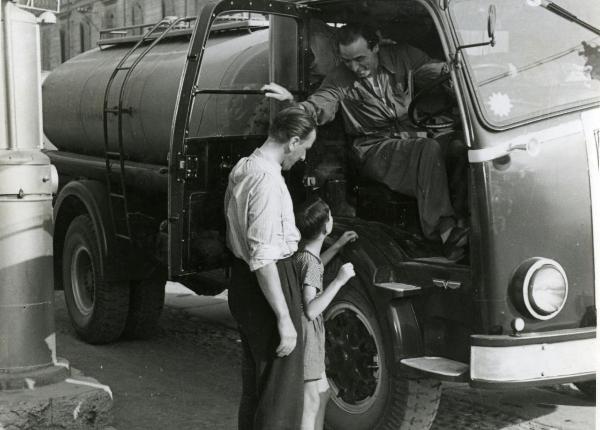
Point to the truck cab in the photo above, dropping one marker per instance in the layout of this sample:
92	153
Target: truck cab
155	134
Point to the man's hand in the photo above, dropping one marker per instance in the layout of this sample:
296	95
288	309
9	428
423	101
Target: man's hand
348	236
288	336
270	285
277	92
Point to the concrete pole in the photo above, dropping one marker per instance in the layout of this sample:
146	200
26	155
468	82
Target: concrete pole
37	390
27	182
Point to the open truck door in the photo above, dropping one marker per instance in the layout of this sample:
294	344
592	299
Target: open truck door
233	118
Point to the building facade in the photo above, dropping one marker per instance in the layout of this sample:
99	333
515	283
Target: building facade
79	23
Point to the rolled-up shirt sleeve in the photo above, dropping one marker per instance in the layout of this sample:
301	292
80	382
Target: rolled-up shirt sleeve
264	212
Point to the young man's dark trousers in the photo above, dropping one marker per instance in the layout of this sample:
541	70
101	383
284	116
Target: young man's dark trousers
272	387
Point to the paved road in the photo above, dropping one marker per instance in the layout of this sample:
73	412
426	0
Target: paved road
187	378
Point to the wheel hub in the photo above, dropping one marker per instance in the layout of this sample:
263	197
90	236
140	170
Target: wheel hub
82	279
352	358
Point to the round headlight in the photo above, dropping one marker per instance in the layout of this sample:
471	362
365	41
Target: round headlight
543	287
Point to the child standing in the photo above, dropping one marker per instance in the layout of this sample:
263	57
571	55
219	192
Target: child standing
314	221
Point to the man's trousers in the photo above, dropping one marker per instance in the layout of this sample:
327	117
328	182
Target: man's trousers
272	387
414	167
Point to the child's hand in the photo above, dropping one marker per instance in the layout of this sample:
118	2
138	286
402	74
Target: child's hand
348	236
345	273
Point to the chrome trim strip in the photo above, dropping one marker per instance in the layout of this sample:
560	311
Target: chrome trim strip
554	336
530	142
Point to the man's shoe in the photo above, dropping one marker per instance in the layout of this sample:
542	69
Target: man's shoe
453	248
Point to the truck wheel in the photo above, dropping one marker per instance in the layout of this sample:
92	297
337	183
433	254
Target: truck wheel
367	392
97	308
588	388
146	300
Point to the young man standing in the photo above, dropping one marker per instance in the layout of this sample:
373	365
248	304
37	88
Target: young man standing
264	296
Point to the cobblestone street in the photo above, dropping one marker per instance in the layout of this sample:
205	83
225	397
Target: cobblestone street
187	378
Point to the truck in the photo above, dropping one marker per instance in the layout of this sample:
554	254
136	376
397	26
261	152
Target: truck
148	125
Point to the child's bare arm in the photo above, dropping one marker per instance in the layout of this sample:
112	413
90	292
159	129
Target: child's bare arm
313	305
329	253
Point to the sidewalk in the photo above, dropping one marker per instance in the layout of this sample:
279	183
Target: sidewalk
212	309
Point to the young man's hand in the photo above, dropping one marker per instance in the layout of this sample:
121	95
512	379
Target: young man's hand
348	236
345	273
277	92
270	285
288	336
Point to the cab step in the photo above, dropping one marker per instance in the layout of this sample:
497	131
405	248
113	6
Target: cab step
439	367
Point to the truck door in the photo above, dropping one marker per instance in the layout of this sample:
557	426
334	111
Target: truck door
221	115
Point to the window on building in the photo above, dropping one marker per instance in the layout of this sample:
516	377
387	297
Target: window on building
167	8
109	19
137	16
63	46
82	41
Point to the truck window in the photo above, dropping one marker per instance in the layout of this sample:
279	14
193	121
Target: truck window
238	61
541	63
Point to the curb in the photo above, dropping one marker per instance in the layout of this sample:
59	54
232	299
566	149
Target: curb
78	402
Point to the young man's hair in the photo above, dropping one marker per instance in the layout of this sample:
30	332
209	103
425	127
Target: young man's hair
350	33
311	217
290	122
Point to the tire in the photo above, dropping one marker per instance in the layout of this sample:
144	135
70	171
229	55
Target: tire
97	308
146	300
368	393
588	388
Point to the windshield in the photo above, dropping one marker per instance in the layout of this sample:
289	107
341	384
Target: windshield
541	62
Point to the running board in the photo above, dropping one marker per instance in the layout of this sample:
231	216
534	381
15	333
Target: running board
441	368
402	290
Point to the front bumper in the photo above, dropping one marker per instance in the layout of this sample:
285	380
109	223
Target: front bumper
533	358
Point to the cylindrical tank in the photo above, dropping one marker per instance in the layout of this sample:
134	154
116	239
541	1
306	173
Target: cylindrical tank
73	95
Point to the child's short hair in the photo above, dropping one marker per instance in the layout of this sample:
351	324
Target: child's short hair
311	218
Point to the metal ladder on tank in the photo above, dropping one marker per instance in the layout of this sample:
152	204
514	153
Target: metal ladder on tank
118	197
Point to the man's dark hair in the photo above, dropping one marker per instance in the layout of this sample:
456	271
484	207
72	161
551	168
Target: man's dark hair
352	32
291	122
311	218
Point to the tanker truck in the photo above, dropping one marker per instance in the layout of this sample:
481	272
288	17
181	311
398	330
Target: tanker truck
148	126
129	206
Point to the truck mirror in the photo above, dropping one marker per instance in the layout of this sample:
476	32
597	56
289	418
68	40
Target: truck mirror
491	29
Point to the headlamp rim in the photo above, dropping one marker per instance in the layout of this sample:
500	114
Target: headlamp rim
526	291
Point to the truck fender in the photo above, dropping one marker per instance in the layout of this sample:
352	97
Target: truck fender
82	197
373	256
370	327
